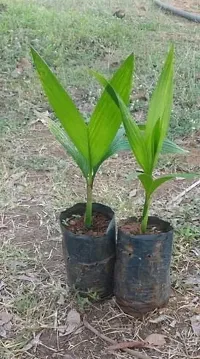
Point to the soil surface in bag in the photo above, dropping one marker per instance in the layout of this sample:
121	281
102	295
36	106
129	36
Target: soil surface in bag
76	225
133	226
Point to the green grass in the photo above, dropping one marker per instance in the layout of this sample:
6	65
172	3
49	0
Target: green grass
76	35
36	181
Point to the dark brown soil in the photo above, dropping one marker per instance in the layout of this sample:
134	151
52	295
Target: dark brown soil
134	228
99	225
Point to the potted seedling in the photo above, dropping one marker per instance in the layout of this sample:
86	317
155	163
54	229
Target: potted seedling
88	229
144	245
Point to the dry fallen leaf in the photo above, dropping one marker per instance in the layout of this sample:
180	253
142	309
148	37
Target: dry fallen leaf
159	319
173	323
23	64
140	96
5	318
61	300
133	193
156	339
72	323
33	343
195	321
131	344
5	324
42	117
2	332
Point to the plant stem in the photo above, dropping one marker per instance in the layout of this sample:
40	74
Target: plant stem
145	214
88	212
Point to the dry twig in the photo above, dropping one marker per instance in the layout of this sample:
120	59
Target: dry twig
132	344
177	200
111	341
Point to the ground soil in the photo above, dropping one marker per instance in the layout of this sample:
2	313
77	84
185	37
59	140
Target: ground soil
28	224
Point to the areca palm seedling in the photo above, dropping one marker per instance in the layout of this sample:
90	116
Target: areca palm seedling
89	245
89	255
148	142
144	247
90	144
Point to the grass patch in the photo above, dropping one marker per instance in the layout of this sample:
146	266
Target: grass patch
28	293
73	37
37	181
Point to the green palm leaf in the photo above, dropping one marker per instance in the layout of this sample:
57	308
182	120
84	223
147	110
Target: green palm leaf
69	147
63	106
134	134
170	147
150	185
106	117
160	110
121	143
